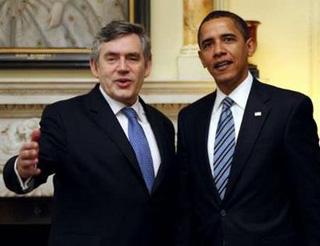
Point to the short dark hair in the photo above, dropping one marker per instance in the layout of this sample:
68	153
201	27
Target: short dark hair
117	29
240	23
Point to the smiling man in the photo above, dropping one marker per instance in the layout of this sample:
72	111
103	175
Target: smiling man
250	168
111	154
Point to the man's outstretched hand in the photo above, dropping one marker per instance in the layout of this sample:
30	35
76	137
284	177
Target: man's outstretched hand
28	157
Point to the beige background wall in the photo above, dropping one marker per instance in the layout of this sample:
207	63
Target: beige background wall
288	41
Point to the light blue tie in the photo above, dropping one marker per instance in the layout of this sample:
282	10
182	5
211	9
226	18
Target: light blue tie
140	145
224	147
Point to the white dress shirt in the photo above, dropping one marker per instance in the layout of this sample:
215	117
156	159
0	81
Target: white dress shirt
143	121
240	96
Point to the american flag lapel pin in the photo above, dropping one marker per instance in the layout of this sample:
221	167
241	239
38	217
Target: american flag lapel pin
257	114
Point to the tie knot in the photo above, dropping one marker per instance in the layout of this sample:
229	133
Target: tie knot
227	102
129	112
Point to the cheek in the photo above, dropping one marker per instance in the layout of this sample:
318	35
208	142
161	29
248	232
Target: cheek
141	72
206	60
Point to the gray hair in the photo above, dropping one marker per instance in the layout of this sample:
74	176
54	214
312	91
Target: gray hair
117	29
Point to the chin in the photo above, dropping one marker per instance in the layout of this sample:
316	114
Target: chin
128	100
222	79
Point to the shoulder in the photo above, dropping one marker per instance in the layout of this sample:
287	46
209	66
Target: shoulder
281	96
67	106
202	105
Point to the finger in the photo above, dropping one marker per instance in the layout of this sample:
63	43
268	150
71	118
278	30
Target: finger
29	146
28	163
28	168
29	154
27	173
35	135
36	172
25	164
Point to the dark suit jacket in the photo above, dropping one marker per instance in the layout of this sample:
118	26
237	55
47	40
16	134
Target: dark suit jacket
273	194
100	197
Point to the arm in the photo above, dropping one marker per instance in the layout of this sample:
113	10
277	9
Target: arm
38	159
303	155
183	200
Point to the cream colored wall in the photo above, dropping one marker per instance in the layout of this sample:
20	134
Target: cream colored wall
287	43
283	54
285	37
166	37
283	40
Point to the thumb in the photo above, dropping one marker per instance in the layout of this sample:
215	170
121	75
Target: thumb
35	135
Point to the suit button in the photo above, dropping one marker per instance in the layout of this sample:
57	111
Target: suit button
223	213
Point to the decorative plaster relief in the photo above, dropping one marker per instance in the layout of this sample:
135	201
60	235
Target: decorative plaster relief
13	133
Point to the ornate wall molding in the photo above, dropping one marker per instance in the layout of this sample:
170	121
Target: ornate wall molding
44	91
20	110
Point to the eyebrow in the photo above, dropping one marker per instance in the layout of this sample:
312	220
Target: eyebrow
118	54
206	41
210	39
229	35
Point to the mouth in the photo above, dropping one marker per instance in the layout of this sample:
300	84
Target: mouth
123	82
222	65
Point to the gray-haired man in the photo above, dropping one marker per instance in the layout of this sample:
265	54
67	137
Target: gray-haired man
104	192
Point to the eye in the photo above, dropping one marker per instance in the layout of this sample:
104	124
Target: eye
206	45
229	39
111	59
133	57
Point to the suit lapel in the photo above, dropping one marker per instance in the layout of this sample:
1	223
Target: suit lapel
103	116
255	114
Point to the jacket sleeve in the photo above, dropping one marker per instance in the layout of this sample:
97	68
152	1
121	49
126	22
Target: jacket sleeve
303	155
184	223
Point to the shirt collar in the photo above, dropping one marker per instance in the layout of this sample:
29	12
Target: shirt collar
239	95
116	106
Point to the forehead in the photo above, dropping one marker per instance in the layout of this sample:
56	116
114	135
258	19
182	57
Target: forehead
217	27
130	43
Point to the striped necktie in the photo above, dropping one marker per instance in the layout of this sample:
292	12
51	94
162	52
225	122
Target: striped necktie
224	147
140	145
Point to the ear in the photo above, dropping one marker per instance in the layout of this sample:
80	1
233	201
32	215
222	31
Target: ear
201	58
147	69
251	46
94	68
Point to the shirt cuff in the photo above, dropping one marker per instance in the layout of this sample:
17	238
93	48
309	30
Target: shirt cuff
26	184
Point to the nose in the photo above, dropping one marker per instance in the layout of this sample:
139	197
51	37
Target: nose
122	66
219	49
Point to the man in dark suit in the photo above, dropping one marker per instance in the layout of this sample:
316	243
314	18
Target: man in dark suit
250	166
114	179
